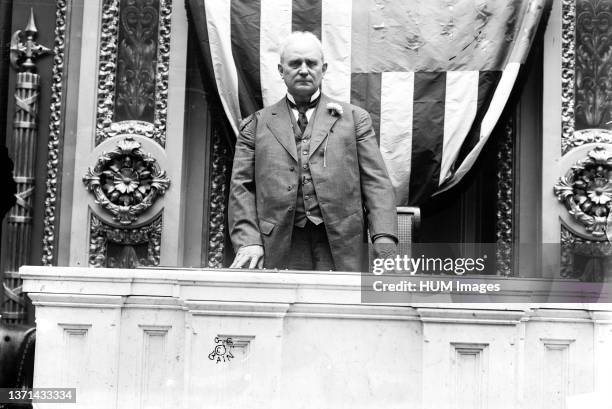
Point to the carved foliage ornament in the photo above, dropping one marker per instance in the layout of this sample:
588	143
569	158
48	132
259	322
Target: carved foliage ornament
121	67
55	134
593	63
568	72
102	235
584	136
586	191
126	181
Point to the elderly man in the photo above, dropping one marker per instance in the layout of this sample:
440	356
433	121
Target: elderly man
307	176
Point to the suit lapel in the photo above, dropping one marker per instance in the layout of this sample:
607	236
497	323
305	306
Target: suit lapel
280	126
324	121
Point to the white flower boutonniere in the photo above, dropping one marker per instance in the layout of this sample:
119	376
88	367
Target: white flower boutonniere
334	108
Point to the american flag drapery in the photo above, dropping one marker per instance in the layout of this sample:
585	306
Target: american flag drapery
434	74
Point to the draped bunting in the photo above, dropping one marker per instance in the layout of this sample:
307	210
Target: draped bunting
434	75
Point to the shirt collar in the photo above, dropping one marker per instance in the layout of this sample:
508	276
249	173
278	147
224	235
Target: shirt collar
312	97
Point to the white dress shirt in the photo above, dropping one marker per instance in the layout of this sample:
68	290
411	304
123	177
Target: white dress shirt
309	111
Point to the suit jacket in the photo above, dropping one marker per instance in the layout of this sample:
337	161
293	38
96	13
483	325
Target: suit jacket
348	174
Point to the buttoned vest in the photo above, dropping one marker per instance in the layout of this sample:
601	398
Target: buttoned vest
307	205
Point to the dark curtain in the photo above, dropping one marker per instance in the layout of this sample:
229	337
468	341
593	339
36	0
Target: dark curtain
196	14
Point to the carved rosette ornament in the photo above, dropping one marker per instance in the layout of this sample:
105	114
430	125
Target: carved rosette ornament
126	182
586	191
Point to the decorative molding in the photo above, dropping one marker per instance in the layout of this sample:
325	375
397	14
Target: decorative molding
55	135
126	182
584	136
106	67
556	360
505	200
586	192
101	234
593	63
568	41
470	373
107	76
218	189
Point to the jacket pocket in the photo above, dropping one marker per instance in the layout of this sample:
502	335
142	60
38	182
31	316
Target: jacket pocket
265	227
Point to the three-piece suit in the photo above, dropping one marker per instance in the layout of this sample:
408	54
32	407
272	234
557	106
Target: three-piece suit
342	162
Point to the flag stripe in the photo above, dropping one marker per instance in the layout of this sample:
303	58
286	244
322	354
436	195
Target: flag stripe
245	23
427	133
460	110
275	26
487	81
219	35
396	115
336	38
498	101
365	92
360	26
306	16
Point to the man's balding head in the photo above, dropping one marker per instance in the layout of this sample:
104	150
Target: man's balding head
301	65
301	37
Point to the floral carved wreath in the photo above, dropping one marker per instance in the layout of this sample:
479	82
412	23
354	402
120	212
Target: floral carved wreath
126	181
586	191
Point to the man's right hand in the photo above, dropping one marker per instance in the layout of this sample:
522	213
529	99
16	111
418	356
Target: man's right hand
251	256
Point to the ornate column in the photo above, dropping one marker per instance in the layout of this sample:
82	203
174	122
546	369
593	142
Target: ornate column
129	147
17	234
584	186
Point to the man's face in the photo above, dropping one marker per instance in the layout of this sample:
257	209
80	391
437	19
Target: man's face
302	68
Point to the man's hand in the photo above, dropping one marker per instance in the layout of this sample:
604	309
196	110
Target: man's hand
252	256
384	247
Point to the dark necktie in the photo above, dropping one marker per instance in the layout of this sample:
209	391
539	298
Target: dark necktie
302	108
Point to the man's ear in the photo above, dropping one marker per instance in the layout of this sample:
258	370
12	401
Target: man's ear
324	68
280	69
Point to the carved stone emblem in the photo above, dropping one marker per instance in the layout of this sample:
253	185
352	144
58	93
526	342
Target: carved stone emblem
126	181
586	191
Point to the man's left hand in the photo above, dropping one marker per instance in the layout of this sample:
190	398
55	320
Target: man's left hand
251	256
384	247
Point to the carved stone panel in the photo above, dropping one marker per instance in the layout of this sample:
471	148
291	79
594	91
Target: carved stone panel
593	85
137	60
133	67
110	246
